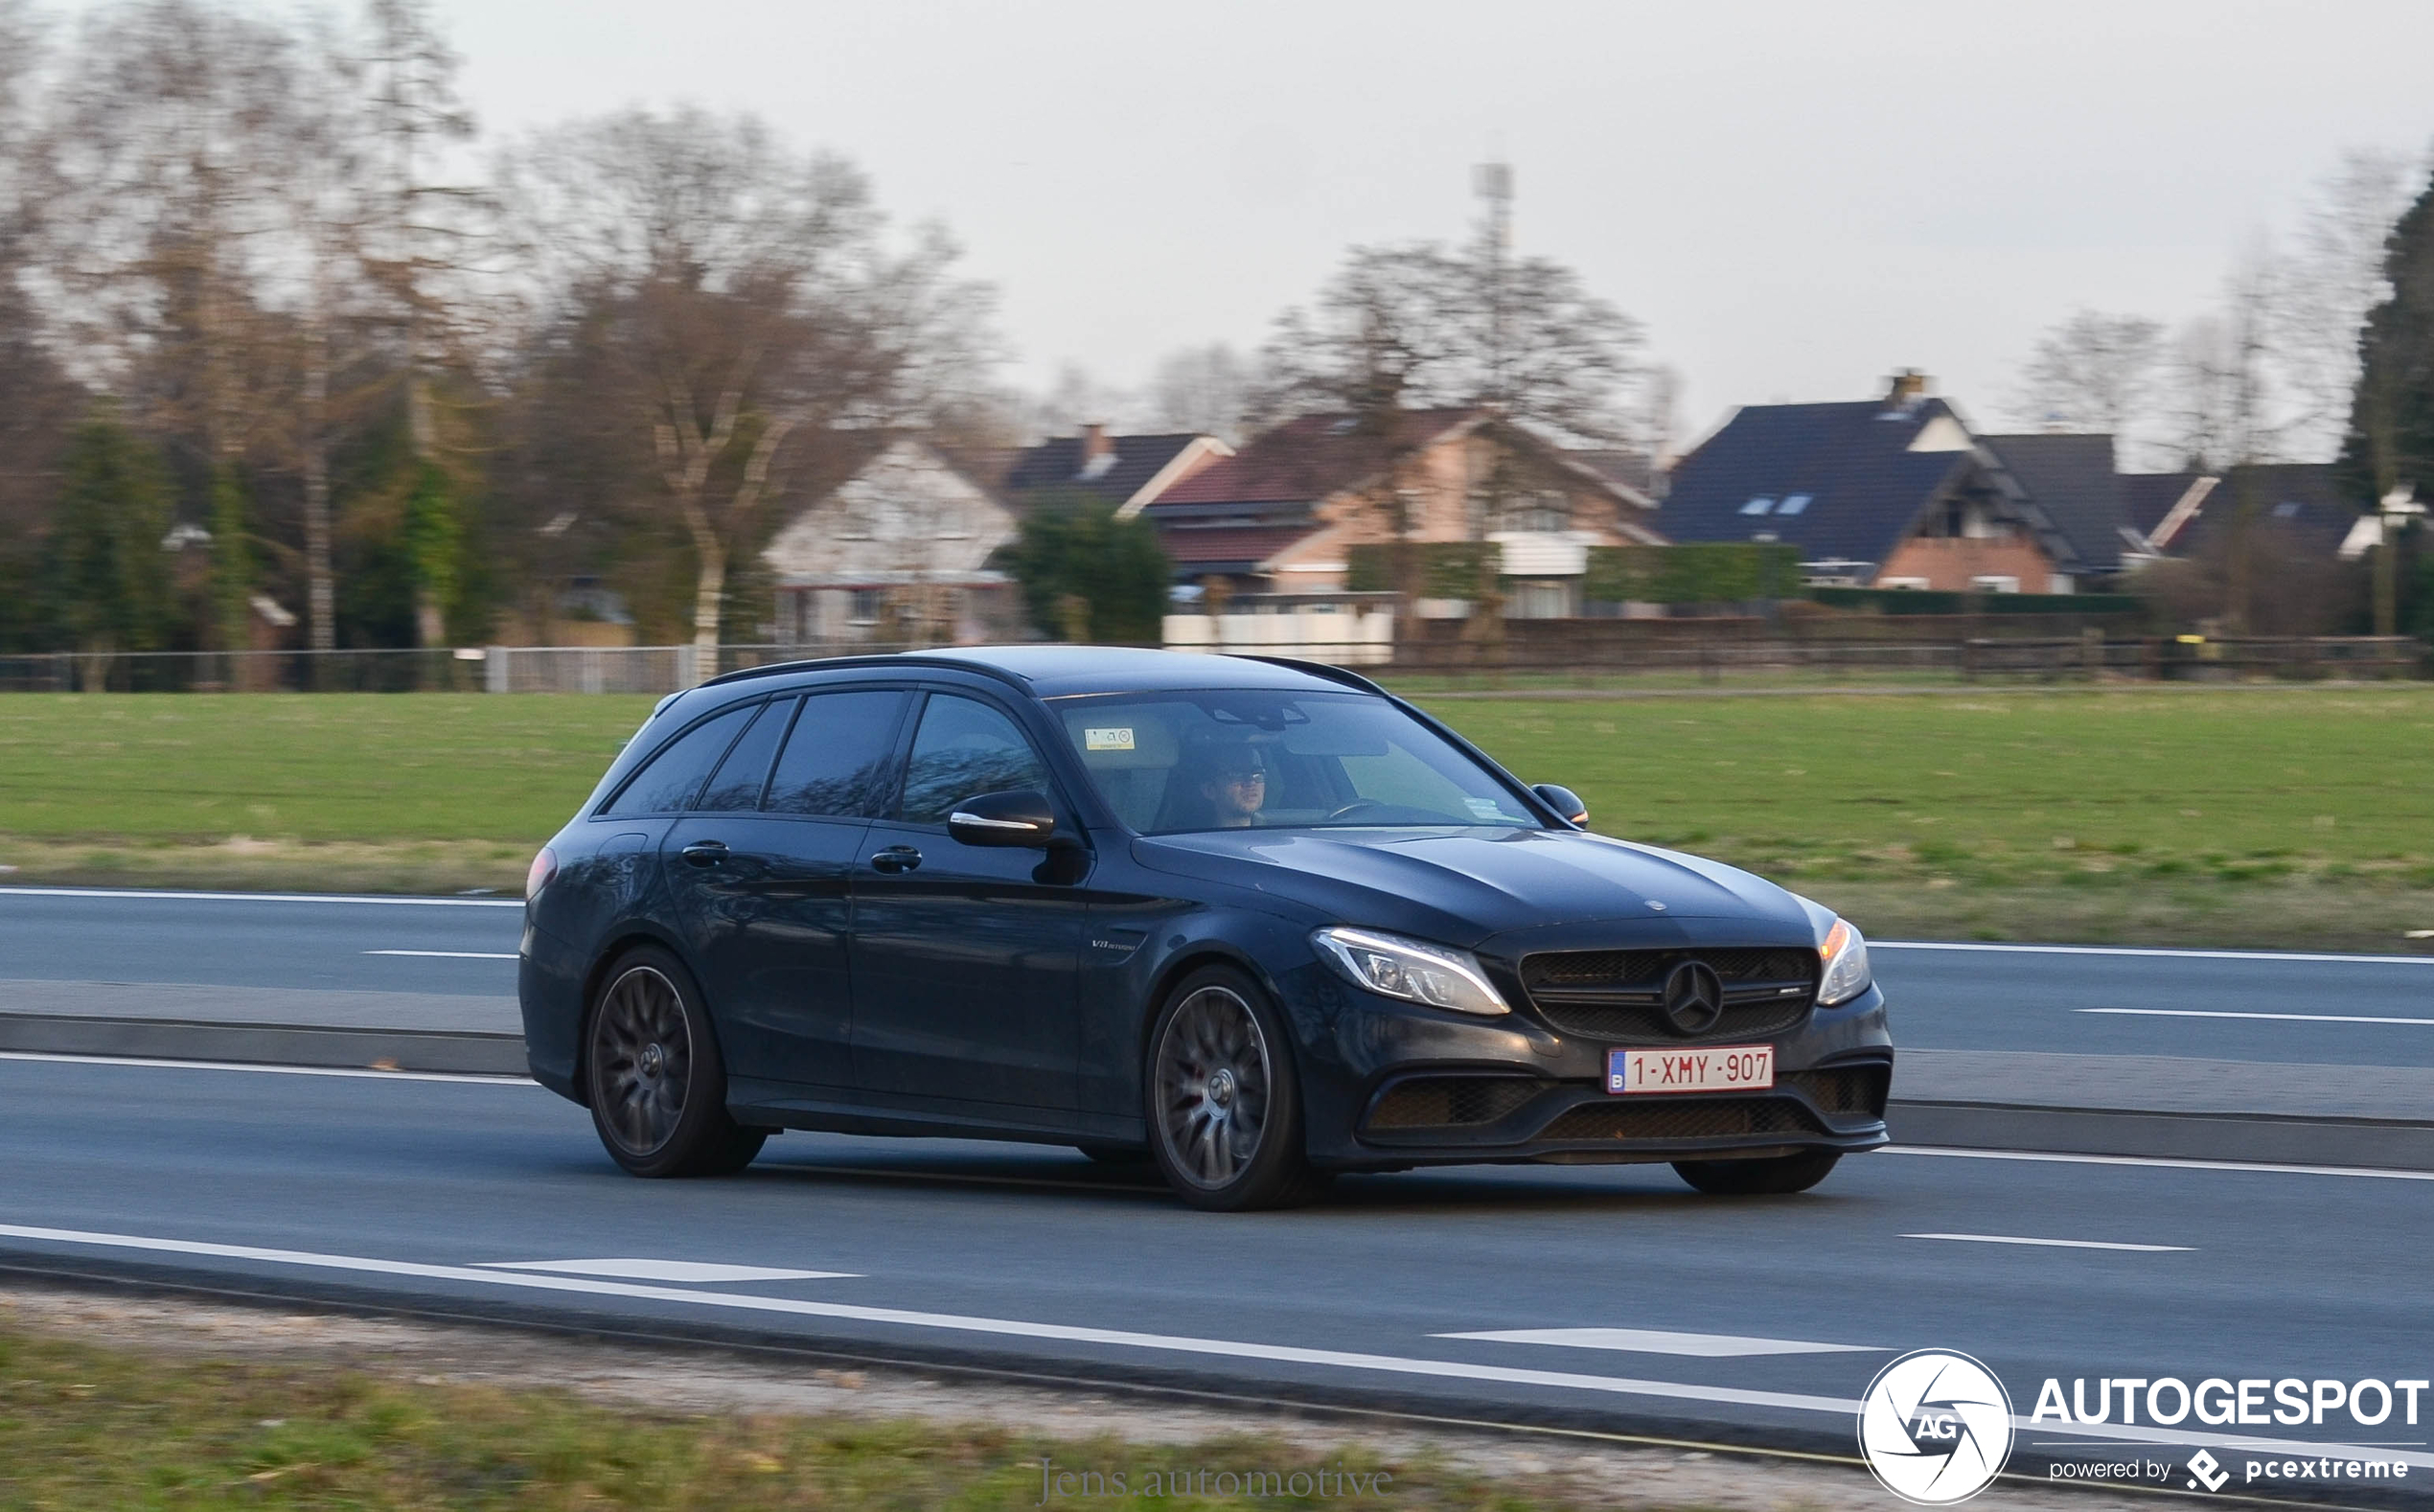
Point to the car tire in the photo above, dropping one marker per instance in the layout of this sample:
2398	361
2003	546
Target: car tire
1220	1099
655	1079
1776	1175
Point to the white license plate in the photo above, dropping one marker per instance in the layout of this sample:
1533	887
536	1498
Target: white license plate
1716	1068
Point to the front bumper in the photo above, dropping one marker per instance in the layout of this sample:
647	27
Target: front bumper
1395	1085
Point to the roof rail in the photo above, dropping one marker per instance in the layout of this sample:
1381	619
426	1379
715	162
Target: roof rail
900	658
1319	669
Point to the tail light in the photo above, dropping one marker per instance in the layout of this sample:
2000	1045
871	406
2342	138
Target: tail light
544	867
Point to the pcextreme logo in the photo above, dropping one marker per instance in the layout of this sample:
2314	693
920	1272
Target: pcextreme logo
1935	1427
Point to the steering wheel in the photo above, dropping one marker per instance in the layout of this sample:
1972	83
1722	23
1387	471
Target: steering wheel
1355	807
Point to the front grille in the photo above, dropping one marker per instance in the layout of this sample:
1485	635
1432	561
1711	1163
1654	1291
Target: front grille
1451	1101
1683	1120
1844	1090
1619	994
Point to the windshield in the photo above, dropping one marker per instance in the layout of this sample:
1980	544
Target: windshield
1169	762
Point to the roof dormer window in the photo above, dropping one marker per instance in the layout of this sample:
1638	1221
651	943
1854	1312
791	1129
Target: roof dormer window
1757	506
1793	504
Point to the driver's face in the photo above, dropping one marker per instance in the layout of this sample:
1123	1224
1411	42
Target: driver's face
1238	795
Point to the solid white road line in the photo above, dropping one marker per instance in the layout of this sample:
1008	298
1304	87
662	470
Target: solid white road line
1660	1341
365	1071
454	955
2160	950
2159	1162
2219	1013
1125	1339
2054	1244
667	1270
171	895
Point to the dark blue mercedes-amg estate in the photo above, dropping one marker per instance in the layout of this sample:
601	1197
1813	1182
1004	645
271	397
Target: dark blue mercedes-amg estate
1256	921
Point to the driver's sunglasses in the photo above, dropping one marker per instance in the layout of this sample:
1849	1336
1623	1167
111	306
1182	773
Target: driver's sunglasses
1238	778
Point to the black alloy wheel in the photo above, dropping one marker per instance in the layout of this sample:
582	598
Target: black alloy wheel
1775	1175
657	1082
1224	1108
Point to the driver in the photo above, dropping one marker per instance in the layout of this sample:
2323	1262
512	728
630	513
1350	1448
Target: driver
1237	787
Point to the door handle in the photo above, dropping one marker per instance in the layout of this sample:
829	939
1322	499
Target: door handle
706	853
896	858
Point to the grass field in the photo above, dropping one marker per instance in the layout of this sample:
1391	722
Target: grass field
2237	816
82	1427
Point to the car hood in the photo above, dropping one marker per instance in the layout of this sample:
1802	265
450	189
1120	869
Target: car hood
1464	886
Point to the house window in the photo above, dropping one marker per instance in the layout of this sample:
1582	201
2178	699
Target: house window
1540	600
2288	508
1794	504
1994	582
1911	583
869	604
1544	512
1757	506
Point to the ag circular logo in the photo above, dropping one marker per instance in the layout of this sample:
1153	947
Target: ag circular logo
1693	997
1935	1427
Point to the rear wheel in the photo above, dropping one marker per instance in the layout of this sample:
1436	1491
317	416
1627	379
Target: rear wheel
1773	1177
656	1081
1224	1105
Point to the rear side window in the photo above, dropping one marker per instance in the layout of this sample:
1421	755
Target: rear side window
669	780
737	783
836	762
965	748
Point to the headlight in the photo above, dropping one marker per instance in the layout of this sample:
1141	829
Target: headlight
1412	970
1845	956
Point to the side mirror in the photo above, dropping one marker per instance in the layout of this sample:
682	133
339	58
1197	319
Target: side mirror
1004	819
1564	801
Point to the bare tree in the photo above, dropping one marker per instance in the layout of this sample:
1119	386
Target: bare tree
1205	390
161	235
743	305
2093	372
422	231
2325	286
1076	397
1421	326
36	404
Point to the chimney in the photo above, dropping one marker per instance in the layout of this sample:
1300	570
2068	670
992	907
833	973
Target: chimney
1094	445
1908	385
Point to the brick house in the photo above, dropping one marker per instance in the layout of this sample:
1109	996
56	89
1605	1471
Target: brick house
1283	514
1899	493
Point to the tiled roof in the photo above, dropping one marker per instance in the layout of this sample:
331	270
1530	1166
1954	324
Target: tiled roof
1057	465
1303	461
2147	498
1633	469
2071	477
1240	547
2298	503
1848	466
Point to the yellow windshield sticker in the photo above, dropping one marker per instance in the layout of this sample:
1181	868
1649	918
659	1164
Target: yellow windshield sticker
1118	738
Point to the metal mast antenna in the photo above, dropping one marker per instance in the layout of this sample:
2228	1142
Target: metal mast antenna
1493	182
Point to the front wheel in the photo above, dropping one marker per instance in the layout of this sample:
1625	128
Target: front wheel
1224	1107
1774	1176
656	1080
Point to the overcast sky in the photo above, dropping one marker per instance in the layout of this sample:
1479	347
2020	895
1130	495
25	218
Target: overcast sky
1795	198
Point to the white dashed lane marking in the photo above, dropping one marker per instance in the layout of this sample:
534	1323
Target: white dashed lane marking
2056	1244
2221	1013
667	1270
1661	1341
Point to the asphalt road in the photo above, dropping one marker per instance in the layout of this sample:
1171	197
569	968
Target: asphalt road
2330	1010
421	1192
